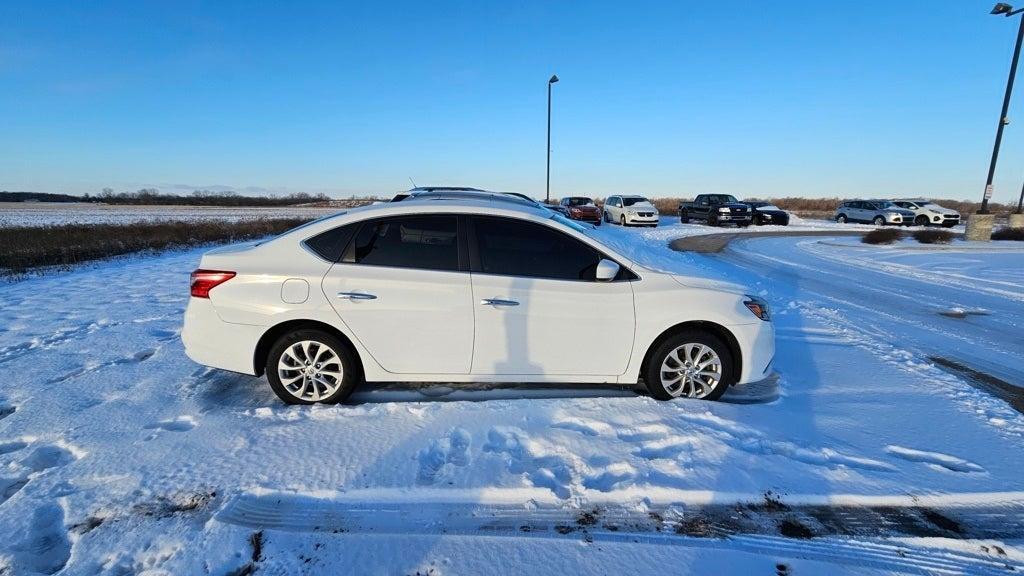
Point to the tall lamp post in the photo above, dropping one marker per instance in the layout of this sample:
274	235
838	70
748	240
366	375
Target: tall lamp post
1004	10
547	191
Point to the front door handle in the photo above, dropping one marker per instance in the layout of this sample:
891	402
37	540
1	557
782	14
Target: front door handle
356	296
498	302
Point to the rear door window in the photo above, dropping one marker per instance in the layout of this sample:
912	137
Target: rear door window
424	242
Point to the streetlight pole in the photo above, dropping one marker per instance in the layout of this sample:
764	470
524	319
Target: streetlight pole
547	192
1005	10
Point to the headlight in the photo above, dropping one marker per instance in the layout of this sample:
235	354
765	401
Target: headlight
723	209
758	306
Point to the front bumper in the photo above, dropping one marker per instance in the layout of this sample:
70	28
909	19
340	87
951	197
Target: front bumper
213	342
642	218
595	217
733	218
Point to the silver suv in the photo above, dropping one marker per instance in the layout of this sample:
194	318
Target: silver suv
877	212
927	212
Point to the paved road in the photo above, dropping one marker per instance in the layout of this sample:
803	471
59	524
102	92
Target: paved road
714	243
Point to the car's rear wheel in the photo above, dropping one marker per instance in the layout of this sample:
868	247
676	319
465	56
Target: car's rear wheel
310	366
689	364
841	218
879	221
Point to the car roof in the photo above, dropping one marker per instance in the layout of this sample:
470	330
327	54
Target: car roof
443	188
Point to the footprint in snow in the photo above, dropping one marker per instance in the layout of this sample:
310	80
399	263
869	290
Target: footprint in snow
45	548
179	424
442	455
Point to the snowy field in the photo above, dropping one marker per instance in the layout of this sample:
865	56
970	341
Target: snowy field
52	214
120	456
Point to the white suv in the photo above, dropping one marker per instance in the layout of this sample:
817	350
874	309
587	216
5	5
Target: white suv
626	210
927	212
464	290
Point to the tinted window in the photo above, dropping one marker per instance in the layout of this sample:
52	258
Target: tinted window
428	242
330	245
516	248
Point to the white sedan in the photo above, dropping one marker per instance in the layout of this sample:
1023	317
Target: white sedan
465	290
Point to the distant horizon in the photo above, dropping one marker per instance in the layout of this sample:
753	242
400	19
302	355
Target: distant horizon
389	195
667	99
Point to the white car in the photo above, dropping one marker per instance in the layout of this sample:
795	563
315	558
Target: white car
927	212
626	210
465	290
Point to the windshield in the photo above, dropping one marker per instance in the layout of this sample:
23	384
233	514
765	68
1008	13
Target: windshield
888	205
631	200
578	201
721	198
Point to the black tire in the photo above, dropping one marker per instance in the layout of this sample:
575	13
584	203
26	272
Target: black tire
652	371
684	217
622	220
921	220
743	224
597	222
352	371
712	220
841	219
605	217
878	221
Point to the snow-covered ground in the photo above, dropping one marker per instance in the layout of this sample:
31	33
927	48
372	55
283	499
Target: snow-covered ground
120	456
51	214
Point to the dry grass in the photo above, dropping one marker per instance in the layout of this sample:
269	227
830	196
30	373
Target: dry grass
882	236
1009	234
25	247
934	236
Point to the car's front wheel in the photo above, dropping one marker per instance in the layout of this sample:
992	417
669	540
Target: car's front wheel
684	217
879	221
689	364
622	220
841	218
921	220
310	366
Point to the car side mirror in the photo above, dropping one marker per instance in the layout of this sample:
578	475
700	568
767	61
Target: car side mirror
606	270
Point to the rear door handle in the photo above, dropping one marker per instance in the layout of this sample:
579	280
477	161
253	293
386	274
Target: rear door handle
356	296
498	302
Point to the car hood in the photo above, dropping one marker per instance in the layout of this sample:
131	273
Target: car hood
711	284
732	206
640	206
769	209
941	210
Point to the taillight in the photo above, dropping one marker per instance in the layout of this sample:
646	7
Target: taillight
205	280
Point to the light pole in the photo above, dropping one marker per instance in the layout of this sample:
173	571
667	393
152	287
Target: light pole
547	192
1004	10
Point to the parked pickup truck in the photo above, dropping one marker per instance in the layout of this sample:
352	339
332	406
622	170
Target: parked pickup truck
715	210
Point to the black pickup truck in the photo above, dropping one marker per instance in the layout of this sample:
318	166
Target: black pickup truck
715	210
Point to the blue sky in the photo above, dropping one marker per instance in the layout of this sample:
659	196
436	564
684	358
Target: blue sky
753	98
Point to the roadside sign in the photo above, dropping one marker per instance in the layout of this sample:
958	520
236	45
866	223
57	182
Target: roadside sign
988	192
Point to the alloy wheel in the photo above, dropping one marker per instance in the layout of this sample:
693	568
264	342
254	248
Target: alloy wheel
692	370
310	370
